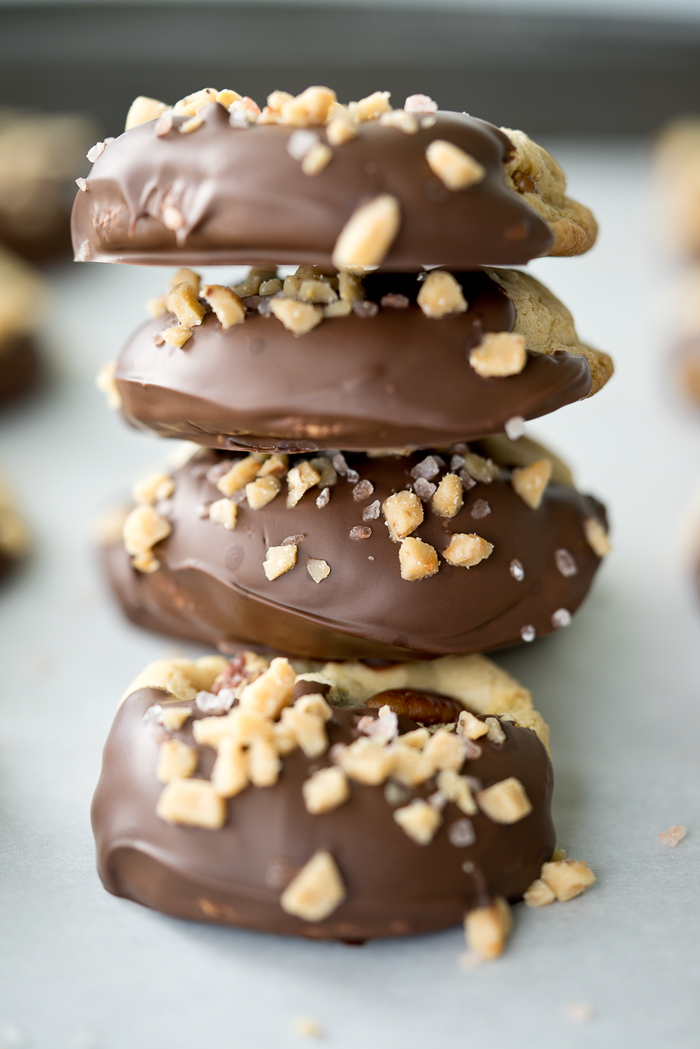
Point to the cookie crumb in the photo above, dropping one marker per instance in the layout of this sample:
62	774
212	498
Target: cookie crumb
486	929
672	836
306	1027
578	1012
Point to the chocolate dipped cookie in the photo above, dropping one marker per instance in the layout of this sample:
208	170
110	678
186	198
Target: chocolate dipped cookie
215	180
301	799
364	556
390	360
21	292
14	534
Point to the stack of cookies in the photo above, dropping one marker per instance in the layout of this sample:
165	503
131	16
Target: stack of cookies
358	519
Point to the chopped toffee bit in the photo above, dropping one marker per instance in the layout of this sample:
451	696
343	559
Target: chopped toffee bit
318	569
505	801
466	550
487	928
143	109
538	894
341	129
457	788
494	731
371	107
81	183
531	481
262	491
310	108
403	512
325	790
470	726
106	384
350	287
317	159
229	775
193	803
596	537
419	821
337	309
183	302
237	476
418	560
401	120
441	294
672	836
227	306
499	354
299	479
368	234
560	618
567	878
176	760
297	317
143	528
445	750
480	469
279	560
153	488
455	168
277	465
316	891
191	125
360	532
448	498
223	512
156	307
177	335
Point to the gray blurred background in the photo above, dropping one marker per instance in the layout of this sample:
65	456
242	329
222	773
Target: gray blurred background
580	67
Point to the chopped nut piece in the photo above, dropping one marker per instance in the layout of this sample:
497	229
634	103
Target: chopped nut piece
316	891
314	703
264	765
297	317
316	291
272	691
368	234
457	788
371	107
367	761
177	336
350	287
341	129
143	528
156	307
270	287
499	354
187	276
227	306
262	491
175	717
487	928
467	549
191	124
183	302
189	105
146	562
471	727
327	789
567	878
337	309
241	473
254	281
403	513
484	470
318	158
318	569
418	560
153	488
309	108
176	761
401	120
227	97
449	497
299	479
192	802
538	894
672	836
531	481
445	750
419	820
277	465
455	168
505	801
106	384
143	109
596	537
279	560
441	294
224	512
494	731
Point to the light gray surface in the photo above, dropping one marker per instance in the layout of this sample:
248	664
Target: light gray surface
79	968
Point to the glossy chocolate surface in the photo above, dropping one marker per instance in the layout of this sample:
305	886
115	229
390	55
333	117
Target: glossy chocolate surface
244	199
211	586
235	875
398	379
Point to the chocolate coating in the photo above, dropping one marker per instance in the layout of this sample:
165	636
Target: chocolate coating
398	379
235	875
211	586
244	199
20	368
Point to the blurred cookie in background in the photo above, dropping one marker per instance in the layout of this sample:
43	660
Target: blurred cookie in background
21	298
677	176
14	534
41	155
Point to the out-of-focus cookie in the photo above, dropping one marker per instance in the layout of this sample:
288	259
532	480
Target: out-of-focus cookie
394	360
300	799
355	557
21	297
677	170
14	534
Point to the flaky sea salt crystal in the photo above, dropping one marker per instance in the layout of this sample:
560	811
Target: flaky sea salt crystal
672	836
565	562
352	476
323	498
383	728
480	509
467	480
420	104
365	308
360	532
424	489
96	151
456	463
372	512
219	703
528	633
514	427
362	491
562	617
427	468
516	570
81	183
301	142
396	793
340	464
461	833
